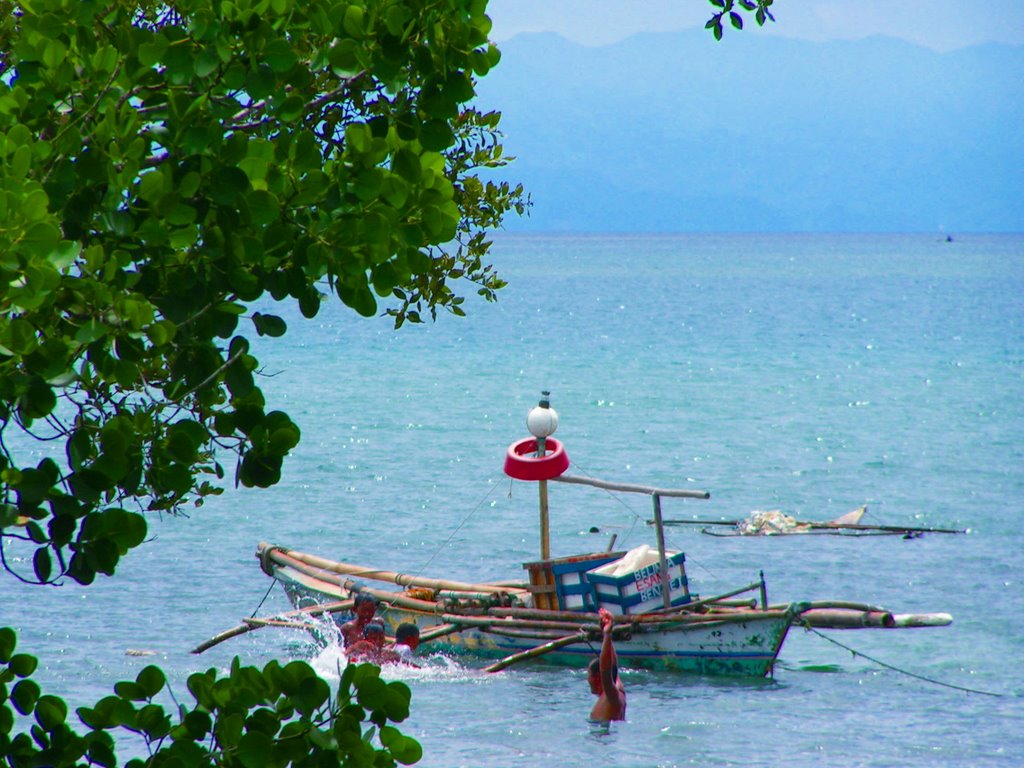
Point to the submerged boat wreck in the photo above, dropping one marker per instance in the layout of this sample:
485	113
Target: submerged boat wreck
552	614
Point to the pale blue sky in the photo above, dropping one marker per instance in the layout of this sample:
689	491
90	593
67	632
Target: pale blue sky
941	25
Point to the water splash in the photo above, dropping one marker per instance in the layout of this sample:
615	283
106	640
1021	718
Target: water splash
329	661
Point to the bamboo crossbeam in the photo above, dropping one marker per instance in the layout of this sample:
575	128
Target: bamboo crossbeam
394	598
488	621
533	652
751	603
454	594
241	629
729	610
278	623
523	634
700	619
537	613
689	607
679	493
516	585
439	630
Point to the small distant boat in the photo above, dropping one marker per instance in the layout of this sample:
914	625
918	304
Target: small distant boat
552	614
777	523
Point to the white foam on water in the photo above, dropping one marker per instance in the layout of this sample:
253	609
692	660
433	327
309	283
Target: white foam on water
330	661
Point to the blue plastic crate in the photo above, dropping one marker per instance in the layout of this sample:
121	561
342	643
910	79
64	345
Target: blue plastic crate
640	591
568	575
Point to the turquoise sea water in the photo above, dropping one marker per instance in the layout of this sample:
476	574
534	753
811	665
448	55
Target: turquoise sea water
810	374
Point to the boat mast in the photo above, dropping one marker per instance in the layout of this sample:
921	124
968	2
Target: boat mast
662	560
542	421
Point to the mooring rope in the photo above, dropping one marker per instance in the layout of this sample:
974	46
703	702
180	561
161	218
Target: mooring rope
880	663
257	608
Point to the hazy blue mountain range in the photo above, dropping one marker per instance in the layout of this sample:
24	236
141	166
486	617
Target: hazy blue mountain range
674	132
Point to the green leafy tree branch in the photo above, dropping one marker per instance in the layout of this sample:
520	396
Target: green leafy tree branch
251	718
733	10
163	166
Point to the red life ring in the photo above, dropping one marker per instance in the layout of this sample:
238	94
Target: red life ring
522	463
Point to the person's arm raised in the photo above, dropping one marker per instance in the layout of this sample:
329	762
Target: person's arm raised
609	661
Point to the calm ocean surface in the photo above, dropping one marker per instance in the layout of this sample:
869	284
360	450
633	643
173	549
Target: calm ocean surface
810	374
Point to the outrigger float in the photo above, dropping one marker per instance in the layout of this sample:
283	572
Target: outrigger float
553	615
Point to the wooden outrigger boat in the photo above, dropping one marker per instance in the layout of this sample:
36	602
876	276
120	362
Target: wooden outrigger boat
501	621
553	614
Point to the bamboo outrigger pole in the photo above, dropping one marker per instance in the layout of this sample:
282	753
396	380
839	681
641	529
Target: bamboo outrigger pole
401	579
497	666
679	493
248	625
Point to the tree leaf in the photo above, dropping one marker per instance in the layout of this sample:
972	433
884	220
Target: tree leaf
151	680
24	696
436	135
263	206
404	749
8	642
42	564
22	664
51	712
255	750
269	325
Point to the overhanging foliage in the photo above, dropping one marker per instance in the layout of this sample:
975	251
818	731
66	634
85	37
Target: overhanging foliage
165	165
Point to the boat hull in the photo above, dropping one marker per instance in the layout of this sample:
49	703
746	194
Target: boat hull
739	646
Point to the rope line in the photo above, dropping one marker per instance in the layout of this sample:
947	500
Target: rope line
451	536
257	608
637	518
615	497
897	669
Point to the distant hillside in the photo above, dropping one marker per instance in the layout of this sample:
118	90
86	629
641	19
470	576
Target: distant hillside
674	132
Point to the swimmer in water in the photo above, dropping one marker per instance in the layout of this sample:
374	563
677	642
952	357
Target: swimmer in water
370	647
407	639
603	676
364	609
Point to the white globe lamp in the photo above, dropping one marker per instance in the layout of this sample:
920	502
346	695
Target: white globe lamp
542	421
